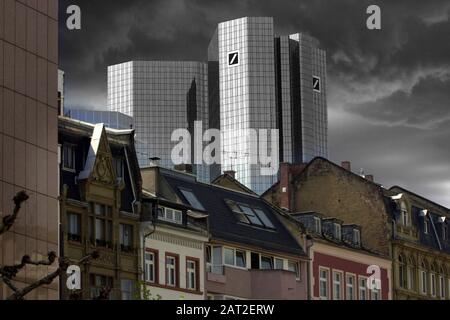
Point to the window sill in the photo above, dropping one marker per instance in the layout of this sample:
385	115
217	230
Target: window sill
164	286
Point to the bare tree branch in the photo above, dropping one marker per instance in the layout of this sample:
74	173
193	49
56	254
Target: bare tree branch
8	273
64	263
7	222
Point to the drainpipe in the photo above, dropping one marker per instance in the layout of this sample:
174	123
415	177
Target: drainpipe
309	240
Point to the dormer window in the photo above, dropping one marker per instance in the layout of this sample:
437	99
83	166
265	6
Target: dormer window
426	226
119	166
317	225
404	216
337	231
68	157
170	215
356	237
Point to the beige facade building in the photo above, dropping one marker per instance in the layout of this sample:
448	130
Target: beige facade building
28	135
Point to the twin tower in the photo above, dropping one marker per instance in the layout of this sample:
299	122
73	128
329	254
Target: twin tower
252	80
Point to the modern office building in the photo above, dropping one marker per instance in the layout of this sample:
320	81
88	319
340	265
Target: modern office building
111	119
28	137
161	97
259	81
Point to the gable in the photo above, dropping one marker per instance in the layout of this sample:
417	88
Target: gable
99	166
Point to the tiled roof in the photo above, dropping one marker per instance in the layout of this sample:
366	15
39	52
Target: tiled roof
223	223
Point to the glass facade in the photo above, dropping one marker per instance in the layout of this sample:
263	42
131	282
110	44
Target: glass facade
161	96
111	119
259	81
29	138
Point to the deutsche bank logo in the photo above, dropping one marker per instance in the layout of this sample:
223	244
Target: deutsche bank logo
233	58
316	84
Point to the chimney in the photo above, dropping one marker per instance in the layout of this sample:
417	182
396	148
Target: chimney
369	177
231	173
346	165
287	171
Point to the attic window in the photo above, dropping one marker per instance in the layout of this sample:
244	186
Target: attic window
250	215
68	157
356	237
192	199
426	229
337	231
317	225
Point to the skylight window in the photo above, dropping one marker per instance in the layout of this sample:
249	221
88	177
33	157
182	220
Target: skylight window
250	215
192	199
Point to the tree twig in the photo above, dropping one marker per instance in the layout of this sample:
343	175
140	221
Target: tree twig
7	222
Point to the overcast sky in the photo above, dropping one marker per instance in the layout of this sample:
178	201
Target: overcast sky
388	90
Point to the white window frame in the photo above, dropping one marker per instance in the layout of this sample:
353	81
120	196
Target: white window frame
317	225
166	210
277	260
171	281
189	272
338	283
235	251
326	281
150	264
362	288
356	236
426	226
337	231
347	286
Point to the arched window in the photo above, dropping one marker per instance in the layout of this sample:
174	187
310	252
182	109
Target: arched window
423	278
404	215
402	277
442	283
411	269
433	279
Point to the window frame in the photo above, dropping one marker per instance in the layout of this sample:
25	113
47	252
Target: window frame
352	286
341	276
362	288
174	213
325	280
72	148
155	254
126	292
74	237
196	272
124	247
176	269
337	231
317	225
106	218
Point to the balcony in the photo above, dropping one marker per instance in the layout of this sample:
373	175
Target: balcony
255	284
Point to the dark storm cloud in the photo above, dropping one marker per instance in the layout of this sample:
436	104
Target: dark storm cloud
425	106
388	90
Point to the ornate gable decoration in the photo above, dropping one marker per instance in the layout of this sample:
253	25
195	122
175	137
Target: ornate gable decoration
99	165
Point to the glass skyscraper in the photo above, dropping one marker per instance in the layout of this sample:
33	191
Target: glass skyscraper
161	96
259	81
